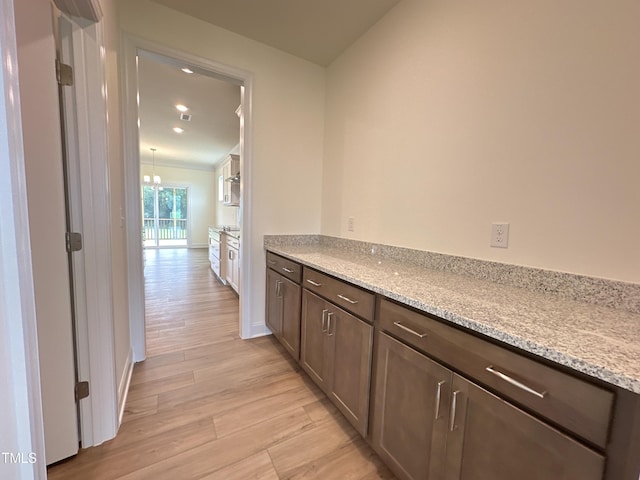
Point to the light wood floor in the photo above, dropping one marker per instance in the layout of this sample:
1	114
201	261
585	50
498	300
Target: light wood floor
208	405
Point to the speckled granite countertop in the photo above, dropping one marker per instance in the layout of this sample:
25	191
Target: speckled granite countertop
597	340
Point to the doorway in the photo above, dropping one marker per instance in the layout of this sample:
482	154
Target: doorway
134	48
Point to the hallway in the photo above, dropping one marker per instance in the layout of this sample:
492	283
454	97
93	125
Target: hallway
208	405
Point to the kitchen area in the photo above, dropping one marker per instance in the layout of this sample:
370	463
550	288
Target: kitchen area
224	238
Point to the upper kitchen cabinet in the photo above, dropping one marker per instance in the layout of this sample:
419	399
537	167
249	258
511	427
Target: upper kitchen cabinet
231	181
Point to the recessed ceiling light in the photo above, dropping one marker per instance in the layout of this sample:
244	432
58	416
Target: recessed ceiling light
187	70
178	129
182	108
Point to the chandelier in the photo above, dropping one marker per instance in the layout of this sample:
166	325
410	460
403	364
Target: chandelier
156	178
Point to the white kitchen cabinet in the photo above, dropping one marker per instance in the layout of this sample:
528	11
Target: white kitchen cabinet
232	262
231	181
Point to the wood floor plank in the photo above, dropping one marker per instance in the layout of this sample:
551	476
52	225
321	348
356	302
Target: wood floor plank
154	387
141	407
292	461
114	462
256	467
207	405
251	413
208	458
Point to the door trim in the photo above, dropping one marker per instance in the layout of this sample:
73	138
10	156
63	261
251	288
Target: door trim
20	404
130	47
88	155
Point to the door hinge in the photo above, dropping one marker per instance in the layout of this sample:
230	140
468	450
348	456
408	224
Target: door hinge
74	241
64	73
82	390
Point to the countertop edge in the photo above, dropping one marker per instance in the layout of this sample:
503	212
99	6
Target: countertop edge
579	365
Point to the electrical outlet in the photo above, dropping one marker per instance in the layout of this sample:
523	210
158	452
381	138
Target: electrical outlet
350	224
500	235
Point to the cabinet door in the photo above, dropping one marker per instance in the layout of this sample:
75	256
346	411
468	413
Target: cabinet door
313	336
235	263
410	410
233	267
274	302
490	439
226	186
350	342
228	261
290	316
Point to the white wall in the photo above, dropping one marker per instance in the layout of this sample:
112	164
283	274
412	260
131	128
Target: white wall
447	116
202	197
288	111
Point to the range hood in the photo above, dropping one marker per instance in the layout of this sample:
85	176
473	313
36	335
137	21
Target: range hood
234	179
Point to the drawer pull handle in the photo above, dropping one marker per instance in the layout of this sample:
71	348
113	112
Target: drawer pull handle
438	395
515	382
272	262
407	329
315	284
288	270
454	406
347	299
329	334
324	321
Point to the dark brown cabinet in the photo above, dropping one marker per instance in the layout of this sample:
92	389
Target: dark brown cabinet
490	439
410	410
447	403
429	423
283	308
335	351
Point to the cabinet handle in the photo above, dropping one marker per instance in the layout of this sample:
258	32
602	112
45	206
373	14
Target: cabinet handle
407	329
288	270
515	382
329	324
324	320
438	395
278	288
272	262
315	284
454	405
347	299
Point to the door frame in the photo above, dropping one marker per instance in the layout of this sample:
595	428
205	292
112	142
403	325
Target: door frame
87	151
21	402
130	47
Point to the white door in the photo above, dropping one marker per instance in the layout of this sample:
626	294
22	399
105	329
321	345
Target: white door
45	192
81	46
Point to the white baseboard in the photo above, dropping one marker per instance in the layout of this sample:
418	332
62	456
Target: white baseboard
123	386
199	245
259	330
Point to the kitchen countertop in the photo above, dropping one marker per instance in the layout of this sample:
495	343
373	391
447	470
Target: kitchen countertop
600	341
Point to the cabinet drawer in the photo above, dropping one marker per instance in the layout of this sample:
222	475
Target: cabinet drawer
284	266
215	265
233	242
214	249
349	297
577	405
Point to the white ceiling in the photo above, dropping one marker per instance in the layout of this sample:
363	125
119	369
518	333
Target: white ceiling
214	129
316	30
